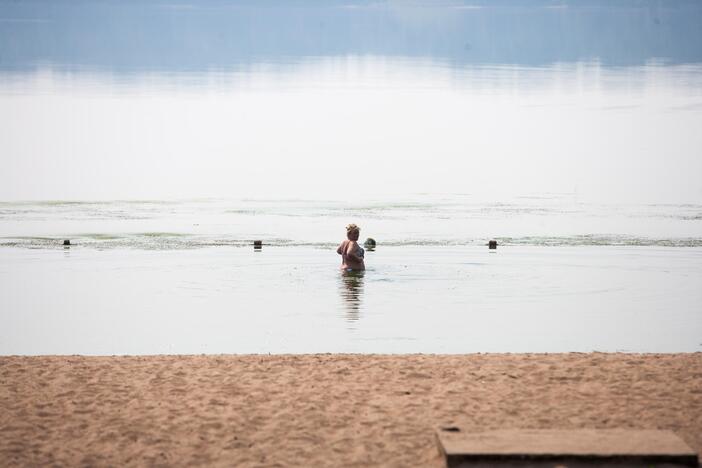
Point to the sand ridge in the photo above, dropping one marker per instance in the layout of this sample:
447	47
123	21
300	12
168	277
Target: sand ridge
323	410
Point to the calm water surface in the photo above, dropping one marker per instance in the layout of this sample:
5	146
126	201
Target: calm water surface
411	299
164	138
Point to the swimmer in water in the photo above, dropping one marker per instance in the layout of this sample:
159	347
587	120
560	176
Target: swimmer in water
351	253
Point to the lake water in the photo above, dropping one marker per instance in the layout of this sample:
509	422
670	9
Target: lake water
163	138
183	277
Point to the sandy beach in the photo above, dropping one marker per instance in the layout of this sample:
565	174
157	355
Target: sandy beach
323	410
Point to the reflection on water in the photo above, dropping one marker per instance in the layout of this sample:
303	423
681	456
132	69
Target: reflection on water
351	290
524	299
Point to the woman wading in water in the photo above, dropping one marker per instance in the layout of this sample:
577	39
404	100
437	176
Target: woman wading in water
351	253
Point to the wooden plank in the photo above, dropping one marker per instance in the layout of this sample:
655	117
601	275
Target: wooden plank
565	448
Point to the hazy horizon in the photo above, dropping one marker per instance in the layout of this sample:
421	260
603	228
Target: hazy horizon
401	127
340	100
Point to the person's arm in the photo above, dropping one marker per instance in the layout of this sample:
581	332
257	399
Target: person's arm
351	252
341	248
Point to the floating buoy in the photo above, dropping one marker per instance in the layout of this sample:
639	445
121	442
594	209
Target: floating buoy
369	243
492	245
67	242
258	244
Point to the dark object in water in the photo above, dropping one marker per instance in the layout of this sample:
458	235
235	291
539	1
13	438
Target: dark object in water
492	245
258	244
369	243
67	242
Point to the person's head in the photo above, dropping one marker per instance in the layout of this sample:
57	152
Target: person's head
352	232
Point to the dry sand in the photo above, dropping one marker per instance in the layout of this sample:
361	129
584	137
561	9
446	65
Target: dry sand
323	410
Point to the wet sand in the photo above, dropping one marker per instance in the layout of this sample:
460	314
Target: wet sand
323	410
